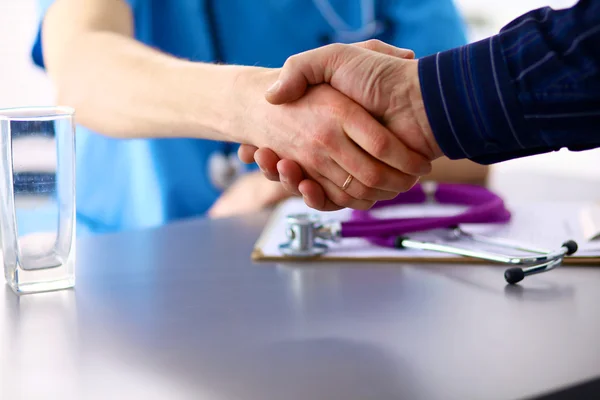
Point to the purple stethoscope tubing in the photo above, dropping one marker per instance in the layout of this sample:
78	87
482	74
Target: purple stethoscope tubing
484	206
306	233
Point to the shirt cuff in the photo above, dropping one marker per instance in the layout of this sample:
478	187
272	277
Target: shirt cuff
472	105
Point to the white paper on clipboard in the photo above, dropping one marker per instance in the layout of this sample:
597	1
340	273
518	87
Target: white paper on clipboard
540	224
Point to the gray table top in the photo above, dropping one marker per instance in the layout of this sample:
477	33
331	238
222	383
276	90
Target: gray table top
180	312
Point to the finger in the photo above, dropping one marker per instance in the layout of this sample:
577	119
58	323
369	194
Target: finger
334	192
290	175
314	196
367	170
383	145
246	153
337	195
355	188
384	48
267	160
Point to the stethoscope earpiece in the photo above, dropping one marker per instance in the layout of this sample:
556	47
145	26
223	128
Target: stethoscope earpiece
515	275
571	246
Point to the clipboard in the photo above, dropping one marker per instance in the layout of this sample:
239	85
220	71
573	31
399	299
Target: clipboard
538	224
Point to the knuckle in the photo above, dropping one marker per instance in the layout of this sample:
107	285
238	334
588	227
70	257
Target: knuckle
373	177
380	146
363	192
326	139
342	199
292	61
336	47
311	158
415	165
373	44
409	165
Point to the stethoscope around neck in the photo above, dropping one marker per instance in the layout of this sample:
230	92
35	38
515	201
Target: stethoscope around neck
370	27
307	236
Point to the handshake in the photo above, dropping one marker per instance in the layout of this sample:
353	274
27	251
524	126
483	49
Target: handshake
362	134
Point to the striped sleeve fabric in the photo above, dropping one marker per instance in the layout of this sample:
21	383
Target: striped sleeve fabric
531	89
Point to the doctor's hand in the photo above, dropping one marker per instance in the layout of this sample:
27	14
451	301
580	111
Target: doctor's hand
250	193
331	137
374	75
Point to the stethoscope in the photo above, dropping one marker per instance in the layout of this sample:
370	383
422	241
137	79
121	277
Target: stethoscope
306	233
307	236
370	26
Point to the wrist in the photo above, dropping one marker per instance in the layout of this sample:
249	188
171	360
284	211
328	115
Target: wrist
418	111
221	99
247	96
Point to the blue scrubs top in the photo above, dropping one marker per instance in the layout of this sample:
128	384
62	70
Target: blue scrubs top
131	184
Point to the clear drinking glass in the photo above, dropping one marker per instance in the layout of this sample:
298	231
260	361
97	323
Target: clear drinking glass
37	198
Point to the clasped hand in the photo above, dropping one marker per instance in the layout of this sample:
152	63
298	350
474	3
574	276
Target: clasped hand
379	141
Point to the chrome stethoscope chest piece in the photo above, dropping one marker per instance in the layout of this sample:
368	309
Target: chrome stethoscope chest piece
306	233
302	233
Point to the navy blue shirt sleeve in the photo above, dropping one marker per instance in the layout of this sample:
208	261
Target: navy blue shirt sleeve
533	88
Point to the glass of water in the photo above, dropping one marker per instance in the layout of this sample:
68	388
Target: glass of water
37	198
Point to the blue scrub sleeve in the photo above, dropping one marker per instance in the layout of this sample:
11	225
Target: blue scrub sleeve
425	26
37	54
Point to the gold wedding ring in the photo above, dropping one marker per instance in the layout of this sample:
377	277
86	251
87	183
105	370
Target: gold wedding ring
347	183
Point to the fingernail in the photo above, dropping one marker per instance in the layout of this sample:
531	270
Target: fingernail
274	87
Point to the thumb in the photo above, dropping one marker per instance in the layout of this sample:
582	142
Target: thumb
319	65
291	86
309	68
384	48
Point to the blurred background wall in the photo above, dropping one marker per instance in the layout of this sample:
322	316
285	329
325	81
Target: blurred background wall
22	84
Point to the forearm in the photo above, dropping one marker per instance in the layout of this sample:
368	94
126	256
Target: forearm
531	89
122	88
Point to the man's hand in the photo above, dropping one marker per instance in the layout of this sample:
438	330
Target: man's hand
375	75
331	137
250	193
